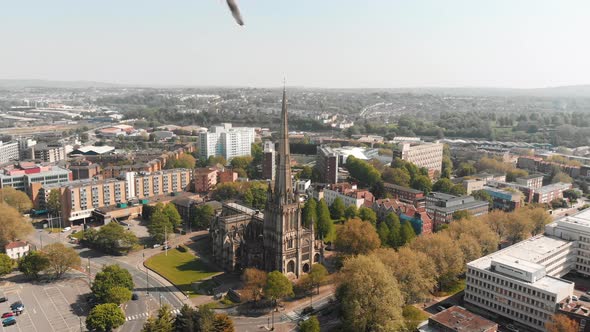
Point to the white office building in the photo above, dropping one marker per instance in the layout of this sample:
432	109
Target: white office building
9	151
226	141
523	282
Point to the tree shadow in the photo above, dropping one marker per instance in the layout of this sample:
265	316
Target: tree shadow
83	304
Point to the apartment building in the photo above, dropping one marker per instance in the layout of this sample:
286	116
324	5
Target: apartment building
226	141
9	151
327	164
427	155
205	179
441	206
408	195
523	282
80	198
269	164
503	199
50	153
349	194
84	169
533	181
162	183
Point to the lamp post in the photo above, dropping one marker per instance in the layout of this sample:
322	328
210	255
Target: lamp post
147	278
88	268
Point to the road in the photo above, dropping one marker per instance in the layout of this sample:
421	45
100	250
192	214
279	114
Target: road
136	311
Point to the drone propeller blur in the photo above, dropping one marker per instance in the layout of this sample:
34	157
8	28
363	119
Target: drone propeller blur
235	11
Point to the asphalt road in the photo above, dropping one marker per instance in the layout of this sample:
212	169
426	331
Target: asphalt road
136	312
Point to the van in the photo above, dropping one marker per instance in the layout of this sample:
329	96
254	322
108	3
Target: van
575	298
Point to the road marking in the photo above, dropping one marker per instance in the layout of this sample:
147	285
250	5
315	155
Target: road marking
42	311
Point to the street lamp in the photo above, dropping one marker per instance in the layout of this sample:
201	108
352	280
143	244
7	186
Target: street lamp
147	278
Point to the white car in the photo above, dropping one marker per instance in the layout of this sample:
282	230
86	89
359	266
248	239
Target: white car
67	229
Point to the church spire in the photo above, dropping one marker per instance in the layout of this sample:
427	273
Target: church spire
283	184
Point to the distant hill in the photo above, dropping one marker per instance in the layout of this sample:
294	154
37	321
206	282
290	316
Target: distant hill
558	91
19	84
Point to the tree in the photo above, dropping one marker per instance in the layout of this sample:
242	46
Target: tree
462	214
173	216
187	319
223	323
486	238
242	162
482	195
539	217
444	252
317	275
512	174
571	194
202	215
6	265
54	201
206	318
277	286
561	323
407	232
118	295
413	270
422	183
254	283
309	213
357	237
16	198
398	176
369	295
324	224
32	264
159	225
466	169
112	238
163	323
443	185
561	177
310	325
12	224
306	173
185	161
367	214
105	317
61	258
350	212
111	276
337	209
458	190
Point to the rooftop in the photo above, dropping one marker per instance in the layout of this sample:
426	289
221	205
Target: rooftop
532	250
459	319
15	244
554	187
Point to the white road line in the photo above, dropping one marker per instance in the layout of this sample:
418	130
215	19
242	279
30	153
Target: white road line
43	311
55	306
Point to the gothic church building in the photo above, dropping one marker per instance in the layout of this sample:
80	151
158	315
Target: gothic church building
273	240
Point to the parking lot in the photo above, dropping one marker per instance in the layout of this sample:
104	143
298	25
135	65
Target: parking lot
56	306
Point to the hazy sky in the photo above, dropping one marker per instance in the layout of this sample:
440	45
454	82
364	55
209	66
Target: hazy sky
321	43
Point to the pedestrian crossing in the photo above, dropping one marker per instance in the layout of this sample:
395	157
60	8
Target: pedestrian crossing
144	315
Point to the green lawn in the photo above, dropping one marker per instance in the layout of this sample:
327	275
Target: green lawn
181	269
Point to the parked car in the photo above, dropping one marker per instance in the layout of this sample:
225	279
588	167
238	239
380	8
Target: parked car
157	245
3	299
16	304
7	314
67	229
575	298
441	308
9	321
135	297
166	247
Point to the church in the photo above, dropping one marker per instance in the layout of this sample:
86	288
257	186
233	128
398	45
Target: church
271	240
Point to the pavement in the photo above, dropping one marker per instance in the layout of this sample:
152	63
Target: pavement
57	306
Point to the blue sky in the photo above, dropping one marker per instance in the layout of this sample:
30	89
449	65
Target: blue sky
314	43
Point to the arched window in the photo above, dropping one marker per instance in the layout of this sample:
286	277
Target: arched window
291	267
305	268
316	258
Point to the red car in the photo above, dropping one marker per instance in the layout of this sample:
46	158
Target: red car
7	314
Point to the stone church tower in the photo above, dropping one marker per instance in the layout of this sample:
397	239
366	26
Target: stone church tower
288	246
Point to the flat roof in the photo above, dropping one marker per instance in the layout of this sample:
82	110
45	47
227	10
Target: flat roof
459	319
532	250
553	187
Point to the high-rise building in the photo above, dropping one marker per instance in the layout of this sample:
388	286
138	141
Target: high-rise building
427	155
162	182
226	141
268	161
205	179
9	151
327	165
